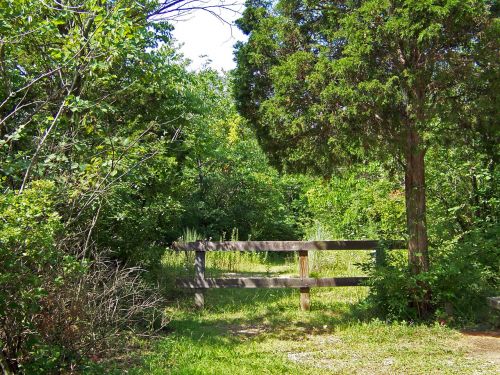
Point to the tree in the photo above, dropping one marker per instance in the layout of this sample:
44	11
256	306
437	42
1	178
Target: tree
93	98
178	9
327	83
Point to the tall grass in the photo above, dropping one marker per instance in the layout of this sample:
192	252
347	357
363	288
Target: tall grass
220	263
334	263
217	263
236	262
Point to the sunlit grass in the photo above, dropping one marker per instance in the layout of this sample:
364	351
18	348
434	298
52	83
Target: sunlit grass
262	331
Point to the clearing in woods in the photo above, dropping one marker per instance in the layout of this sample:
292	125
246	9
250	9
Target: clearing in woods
262	331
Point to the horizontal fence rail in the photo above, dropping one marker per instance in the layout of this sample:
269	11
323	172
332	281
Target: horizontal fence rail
304	282
272	282
287	245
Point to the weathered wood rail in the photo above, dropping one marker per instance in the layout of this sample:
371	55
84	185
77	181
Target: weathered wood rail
303	282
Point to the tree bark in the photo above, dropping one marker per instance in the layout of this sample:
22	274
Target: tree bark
418	256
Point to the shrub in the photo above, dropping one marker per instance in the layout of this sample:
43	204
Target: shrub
465	273
32	270
57	311
361	202
395	293
462	275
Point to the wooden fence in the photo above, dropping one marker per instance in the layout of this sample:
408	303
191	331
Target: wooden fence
303	282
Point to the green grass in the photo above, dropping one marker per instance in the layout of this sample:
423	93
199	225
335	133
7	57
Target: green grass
262	331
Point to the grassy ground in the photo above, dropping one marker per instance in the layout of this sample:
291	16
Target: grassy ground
262	331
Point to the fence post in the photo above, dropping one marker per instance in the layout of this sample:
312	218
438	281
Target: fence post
305	300
199	270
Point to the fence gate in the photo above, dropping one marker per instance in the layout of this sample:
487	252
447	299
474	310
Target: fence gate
303	282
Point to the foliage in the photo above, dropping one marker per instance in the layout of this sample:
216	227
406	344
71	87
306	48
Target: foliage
364	202
34	271
110	148
228	178
213	177
466	272
463	274
90	91
96	101
319	80
328	84
56	310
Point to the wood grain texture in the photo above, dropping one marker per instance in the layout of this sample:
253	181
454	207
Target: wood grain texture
286	245
277	282
305	297
199	270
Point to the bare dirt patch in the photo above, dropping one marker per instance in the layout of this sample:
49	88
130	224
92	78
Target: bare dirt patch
483	345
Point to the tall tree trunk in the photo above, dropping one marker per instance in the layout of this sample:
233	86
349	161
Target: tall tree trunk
418	256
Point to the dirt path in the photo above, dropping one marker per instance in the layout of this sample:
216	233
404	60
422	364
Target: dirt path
483	345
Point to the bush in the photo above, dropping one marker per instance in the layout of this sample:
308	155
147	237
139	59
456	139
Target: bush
56	311
395	293
465	273
32	271
361	202
462	275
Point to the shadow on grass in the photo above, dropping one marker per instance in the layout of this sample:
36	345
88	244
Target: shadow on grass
235	319
240	325
253	311
270	313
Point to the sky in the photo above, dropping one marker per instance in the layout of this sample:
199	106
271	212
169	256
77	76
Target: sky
204	37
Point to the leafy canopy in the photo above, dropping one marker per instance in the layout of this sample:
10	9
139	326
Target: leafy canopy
330	82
